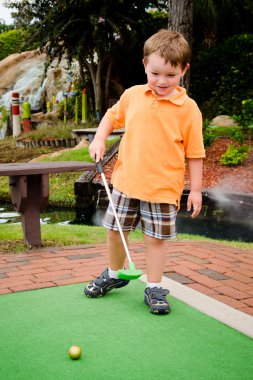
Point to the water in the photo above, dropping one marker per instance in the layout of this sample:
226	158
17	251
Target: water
221	217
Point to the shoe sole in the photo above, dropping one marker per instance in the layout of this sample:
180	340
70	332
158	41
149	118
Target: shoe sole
157	311
90	294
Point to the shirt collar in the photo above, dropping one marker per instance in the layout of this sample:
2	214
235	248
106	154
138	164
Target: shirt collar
178	99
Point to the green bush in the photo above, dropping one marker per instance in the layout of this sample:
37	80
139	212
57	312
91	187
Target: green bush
11	42
237	135
235	155
246	117
45	131
222	77
209	136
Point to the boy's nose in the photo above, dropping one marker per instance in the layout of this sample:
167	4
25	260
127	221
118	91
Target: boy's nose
162	81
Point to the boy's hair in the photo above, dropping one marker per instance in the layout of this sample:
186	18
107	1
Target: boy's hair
170	45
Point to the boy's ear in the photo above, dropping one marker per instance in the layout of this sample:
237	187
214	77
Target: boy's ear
185	69
143	61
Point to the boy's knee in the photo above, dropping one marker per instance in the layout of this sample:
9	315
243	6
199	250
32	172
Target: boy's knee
115	237
155	241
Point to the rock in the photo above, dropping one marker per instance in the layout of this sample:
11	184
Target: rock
24	73
40	117
223	121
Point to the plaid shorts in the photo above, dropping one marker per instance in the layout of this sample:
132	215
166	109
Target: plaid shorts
158	220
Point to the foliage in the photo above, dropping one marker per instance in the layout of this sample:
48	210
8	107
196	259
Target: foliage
11	42
235	155
56	130
94	35
209	136
4	27
3	116
237	135
220	76
215	20
246	117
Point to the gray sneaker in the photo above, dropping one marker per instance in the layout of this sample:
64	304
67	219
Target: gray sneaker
103	284
155	298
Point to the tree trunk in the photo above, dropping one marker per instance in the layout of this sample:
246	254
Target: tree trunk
107	82
99	100
181	20
93	74
181	17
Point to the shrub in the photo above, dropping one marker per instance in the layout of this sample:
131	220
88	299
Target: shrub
246	117
11	42
209	136
226	76
57	130
235	155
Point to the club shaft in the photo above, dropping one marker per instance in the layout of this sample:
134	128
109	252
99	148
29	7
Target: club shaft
116	216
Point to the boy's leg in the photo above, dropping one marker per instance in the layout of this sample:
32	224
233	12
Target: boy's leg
154	294
116	249
127	211
108	279
155	258
158	225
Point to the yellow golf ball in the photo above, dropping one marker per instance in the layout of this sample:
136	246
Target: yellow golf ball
75	352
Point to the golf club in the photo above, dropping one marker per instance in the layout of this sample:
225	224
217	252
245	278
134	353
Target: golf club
126	274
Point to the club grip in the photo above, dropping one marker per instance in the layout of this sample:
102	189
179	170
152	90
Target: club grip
99	164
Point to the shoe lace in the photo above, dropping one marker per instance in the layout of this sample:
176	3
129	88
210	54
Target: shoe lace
159	293
100	279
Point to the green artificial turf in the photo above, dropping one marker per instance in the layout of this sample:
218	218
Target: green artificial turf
119	337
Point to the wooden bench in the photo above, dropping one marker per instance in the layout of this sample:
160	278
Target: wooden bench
29	190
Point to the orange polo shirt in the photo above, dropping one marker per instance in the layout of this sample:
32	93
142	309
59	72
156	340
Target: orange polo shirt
159	134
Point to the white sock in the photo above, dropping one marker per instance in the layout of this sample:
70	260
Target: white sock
112	273
153	285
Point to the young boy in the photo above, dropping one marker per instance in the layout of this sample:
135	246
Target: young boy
163	126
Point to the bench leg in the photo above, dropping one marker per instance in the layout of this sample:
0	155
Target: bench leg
29	196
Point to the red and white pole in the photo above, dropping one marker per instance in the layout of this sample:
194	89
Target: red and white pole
15	110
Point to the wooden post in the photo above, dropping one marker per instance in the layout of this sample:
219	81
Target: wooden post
15	114
27	124
84	106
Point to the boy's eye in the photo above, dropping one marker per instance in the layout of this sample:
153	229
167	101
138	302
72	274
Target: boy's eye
154	73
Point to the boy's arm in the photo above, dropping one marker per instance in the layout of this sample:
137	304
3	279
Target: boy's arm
195	166
97	147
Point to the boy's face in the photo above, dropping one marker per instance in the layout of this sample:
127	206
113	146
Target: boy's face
161	76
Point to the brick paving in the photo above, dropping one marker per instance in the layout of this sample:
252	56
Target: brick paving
219	271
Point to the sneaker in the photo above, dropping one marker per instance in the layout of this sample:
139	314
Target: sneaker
103	284
155	298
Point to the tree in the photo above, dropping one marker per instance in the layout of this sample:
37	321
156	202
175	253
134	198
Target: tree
180	17
91	31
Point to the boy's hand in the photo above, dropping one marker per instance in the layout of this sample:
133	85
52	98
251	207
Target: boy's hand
97	150
194	201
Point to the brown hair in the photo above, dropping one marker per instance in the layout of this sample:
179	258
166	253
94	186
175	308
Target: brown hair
170	45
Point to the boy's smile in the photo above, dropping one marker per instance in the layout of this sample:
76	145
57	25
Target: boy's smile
162	77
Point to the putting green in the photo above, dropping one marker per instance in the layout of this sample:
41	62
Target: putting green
119	337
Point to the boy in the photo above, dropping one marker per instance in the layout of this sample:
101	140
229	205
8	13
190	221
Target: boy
163	126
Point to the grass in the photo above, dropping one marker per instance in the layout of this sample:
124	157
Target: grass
54	235
80	154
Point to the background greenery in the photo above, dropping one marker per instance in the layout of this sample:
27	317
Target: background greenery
114	32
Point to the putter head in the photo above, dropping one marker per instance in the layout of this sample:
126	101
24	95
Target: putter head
129	274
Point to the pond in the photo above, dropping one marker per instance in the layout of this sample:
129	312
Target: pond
223	216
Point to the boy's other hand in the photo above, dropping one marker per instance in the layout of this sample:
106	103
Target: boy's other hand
97	150
194	202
